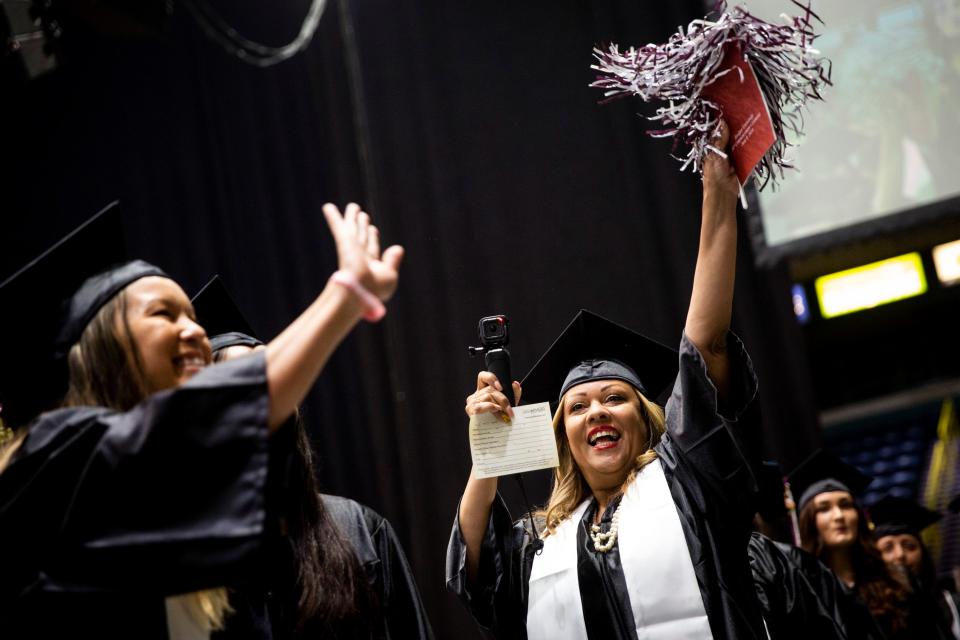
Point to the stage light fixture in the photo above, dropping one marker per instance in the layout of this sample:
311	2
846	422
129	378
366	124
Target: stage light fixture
946	258
29	34
871	285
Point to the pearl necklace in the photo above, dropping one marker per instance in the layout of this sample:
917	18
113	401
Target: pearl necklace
603	542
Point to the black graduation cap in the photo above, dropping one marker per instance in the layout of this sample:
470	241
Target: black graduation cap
220	316
770	478
594	348
892	515
822	471
46	305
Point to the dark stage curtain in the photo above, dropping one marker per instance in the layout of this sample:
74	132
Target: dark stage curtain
469	131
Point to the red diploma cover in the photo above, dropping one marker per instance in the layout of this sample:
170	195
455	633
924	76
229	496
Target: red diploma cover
744	109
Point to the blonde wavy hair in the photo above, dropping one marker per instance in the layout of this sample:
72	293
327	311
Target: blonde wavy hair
569	486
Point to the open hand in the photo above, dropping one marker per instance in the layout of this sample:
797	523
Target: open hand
358	250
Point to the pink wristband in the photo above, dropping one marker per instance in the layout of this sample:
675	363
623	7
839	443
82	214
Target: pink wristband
373	309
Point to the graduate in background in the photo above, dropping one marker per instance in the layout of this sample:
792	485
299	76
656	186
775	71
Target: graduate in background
897	526
800	596
646	529
338	568
834	528
149	481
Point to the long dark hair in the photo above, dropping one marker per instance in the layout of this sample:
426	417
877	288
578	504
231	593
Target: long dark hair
331	587
928	573
884	595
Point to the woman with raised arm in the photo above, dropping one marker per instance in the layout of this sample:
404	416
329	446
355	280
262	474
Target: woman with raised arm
646	529
126	511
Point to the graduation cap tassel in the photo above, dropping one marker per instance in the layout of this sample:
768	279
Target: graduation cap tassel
792	513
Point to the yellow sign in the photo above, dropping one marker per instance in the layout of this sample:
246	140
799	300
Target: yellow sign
871	285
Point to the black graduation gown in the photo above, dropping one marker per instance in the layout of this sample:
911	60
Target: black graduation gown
949	602
707	459
802	598
103	514
401	613
928	615
270	614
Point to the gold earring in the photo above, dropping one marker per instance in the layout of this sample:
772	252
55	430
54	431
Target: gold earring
6	433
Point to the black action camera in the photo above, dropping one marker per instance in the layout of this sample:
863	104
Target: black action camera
494	332
494	337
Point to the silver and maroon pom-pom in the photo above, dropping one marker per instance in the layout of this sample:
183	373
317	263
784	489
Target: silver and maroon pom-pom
676	74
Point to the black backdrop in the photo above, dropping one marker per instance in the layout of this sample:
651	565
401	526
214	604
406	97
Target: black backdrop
469	131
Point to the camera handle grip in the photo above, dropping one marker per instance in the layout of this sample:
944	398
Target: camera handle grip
497	362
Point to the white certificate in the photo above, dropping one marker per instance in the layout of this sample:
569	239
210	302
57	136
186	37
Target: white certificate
525	444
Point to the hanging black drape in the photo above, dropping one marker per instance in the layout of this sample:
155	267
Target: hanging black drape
469	130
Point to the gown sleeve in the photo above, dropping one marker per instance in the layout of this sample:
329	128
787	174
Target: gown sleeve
717	442
403	611
497	598
800	597
168	497
925	616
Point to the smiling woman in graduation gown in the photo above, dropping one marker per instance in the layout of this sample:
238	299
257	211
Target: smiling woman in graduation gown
109	513
655	544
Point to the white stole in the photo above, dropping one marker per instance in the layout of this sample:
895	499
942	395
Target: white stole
554	609
664	594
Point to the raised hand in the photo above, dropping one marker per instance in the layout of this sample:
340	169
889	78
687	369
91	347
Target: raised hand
711	300
719	176
480	492
358	250
490	398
